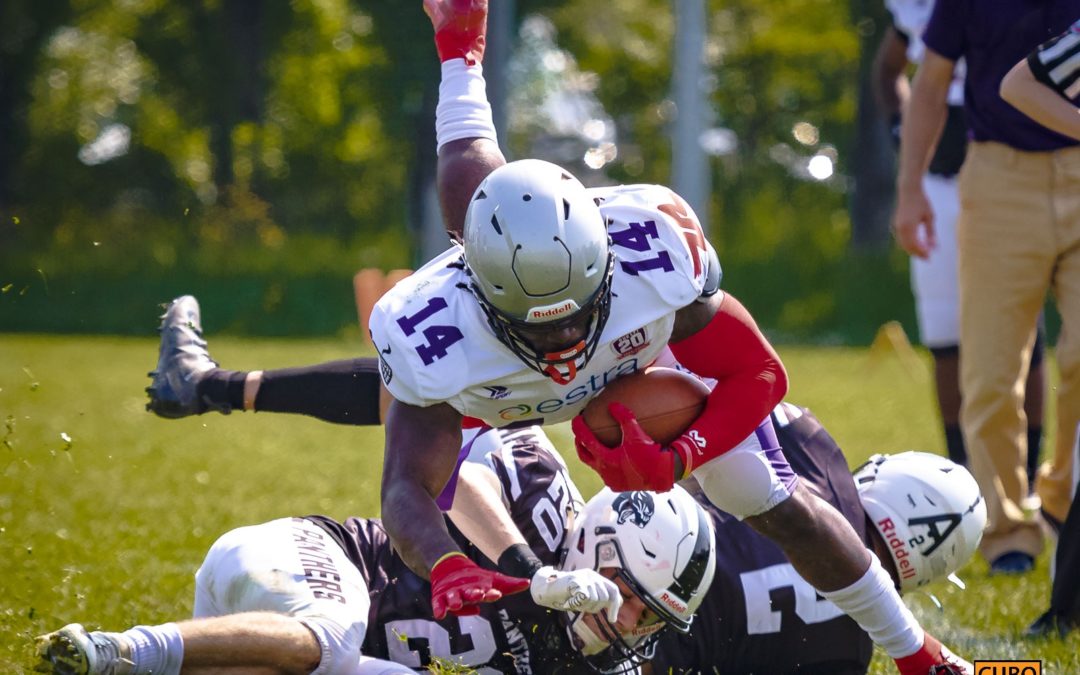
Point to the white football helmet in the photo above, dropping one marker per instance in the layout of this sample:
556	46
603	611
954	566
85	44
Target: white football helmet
538	251
662	546
928	510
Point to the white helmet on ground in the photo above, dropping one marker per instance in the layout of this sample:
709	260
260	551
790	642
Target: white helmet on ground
537	247
662	546
928	510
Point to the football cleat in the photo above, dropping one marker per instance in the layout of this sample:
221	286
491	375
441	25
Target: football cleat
182	361
933	658
460	28
74	651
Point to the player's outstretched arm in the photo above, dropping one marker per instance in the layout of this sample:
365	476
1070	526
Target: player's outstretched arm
467	144
463	165
480	514
422	447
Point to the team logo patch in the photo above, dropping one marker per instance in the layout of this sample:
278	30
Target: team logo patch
515	412
630	344
385	370
636	507
497	392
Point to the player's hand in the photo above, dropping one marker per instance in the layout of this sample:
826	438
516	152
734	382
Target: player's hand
577	591
460	27
913	223
638	463
458	586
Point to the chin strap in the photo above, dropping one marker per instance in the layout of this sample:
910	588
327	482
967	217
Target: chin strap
552	369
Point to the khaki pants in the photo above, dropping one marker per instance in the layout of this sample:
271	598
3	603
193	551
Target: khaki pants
1018	236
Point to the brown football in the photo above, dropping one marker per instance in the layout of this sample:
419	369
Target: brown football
664	400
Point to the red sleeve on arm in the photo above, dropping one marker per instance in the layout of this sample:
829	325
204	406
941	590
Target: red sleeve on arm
751	380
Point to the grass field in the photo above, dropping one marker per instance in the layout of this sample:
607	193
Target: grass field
106	510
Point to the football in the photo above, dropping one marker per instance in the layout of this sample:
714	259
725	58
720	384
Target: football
664	400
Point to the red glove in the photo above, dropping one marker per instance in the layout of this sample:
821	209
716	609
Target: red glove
639	463
458	585
460	27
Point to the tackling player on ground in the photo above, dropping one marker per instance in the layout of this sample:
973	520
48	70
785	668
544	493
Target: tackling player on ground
312	595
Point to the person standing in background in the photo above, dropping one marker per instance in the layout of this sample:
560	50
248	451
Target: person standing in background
1046	87
1017	238
934	279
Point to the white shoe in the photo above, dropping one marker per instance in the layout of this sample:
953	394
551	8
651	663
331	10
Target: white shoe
73	650
182	361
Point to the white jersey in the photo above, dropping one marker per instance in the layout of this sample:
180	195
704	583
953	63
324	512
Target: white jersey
435	344
910	18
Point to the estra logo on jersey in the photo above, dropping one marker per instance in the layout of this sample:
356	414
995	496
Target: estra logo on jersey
631	343
579	393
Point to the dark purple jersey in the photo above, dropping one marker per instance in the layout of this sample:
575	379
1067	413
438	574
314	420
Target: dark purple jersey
513	635
759	616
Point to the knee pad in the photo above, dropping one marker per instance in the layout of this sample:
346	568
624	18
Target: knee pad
742	482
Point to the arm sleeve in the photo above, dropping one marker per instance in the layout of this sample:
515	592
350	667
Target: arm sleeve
1056	63
751	380
945	32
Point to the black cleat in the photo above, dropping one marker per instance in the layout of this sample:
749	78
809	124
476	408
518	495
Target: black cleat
183	360
1050	624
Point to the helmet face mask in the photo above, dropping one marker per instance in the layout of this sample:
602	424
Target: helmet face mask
562	363
540	260
660	548
928	511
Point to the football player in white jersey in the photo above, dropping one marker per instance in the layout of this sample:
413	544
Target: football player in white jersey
553	291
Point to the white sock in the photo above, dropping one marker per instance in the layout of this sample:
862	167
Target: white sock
876	606
156	649
463	110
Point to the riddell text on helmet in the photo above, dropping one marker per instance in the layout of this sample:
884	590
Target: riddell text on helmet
558	310
899	547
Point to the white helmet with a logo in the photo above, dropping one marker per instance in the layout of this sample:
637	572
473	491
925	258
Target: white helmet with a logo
537	248
928	510
662	546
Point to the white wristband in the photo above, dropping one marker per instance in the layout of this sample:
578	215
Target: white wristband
463	110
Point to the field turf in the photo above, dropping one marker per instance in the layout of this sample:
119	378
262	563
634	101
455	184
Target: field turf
106	510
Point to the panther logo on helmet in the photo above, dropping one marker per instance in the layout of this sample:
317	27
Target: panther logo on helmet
636	507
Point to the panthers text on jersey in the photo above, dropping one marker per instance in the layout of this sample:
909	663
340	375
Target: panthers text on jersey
513	635
435	344
759	616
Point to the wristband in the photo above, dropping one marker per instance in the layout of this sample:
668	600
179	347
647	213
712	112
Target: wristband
445	556
519	561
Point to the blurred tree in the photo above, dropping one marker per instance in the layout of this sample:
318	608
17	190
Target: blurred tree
278	141
874	165
27	24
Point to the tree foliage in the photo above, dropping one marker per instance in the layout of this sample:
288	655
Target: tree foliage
238	138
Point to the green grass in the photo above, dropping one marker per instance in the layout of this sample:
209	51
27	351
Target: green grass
108	527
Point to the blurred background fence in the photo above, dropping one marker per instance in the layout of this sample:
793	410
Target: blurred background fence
257	154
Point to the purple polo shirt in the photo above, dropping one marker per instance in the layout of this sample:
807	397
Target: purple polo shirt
994	35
